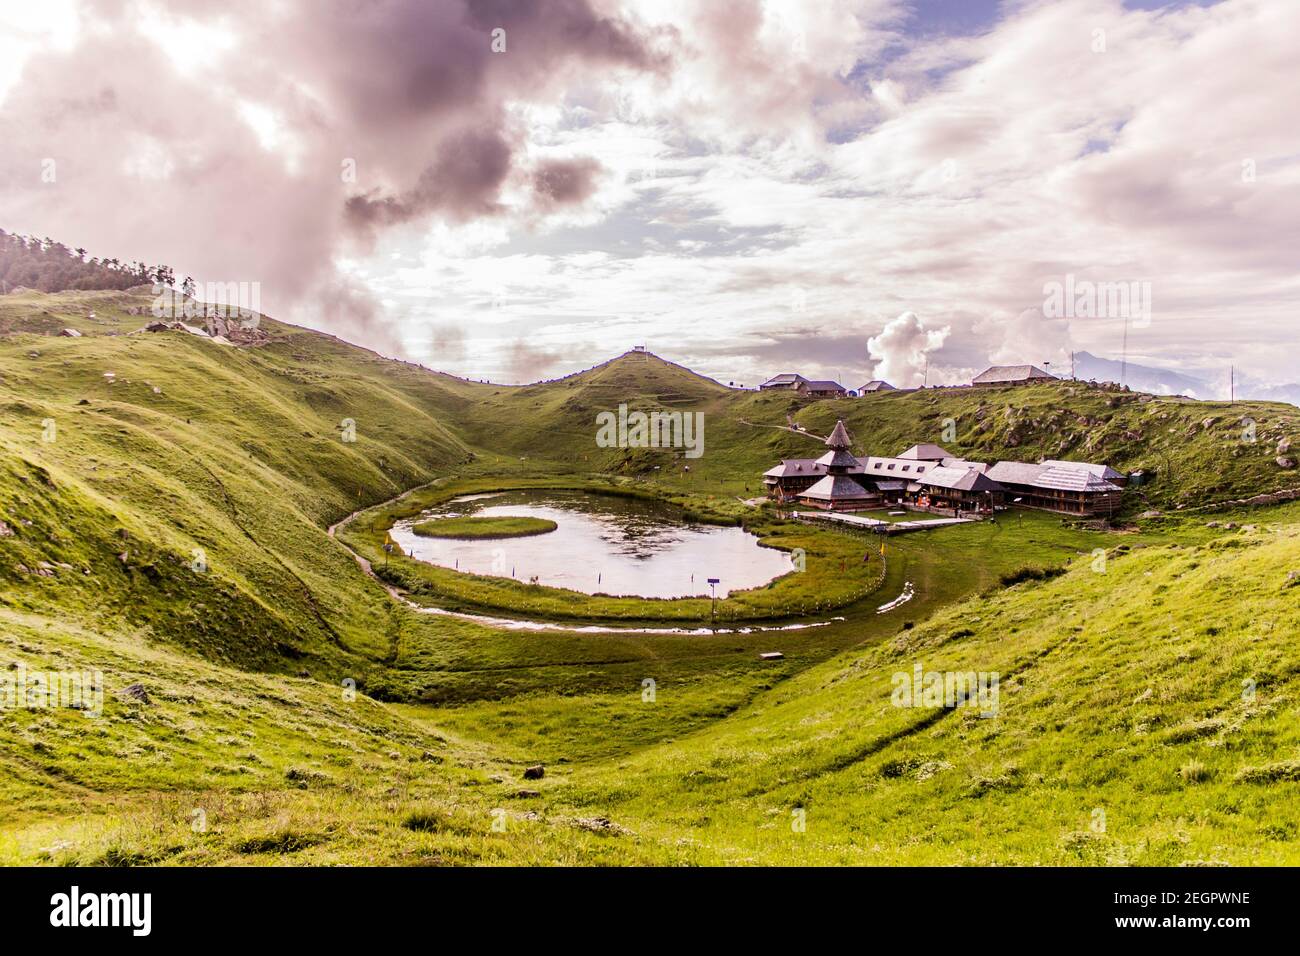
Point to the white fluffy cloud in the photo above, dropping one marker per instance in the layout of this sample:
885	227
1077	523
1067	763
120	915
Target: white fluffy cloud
901	350
1029	338
773	182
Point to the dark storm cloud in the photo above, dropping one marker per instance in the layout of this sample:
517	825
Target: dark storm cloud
385	113
462	184
564	182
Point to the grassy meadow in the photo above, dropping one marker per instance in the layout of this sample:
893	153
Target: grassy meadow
476	528
166	506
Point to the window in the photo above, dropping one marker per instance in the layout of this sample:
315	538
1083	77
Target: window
908	468
920	468
891	466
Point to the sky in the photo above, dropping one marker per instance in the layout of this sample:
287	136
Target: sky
514	190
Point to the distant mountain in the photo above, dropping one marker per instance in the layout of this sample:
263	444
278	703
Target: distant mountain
1143	378
1274	393
1194	384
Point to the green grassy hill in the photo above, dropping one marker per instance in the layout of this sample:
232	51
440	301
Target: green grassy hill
130	459
1146	716
164	506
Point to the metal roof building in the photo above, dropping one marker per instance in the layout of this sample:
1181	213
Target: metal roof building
1012	375
1074	487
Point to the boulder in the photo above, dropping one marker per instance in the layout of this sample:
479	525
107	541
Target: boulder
136	692
1283	462
536	772
71	333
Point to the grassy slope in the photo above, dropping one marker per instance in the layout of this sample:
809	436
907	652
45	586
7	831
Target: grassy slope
238	452
223	766
197	446
1121	691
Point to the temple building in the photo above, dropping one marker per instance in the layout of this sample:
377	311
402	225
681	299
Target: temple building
840	490
927	477
961	490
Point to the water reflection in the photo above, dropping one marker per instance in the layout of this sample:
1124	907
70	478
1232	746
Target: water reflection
603	544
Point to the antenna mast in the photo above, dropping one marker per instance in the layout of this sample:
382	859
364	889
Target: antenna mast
1123	360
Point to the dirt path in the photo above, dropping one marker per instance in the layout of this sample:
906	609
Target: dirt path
364	562
785	428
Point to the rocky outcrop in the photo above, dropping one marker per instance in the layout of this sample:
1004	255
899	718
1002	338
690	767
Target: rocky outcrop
218	328
1268	498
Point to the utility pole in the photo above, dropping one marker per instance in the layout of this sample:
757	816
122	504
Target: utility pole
1123	360
925	380
1071	364
1232	384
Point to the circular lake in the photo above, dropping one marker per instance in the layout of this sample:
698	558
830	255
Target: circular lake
603	544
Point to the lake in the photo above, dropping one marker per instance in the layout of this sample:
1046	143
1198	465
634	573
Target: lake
603	544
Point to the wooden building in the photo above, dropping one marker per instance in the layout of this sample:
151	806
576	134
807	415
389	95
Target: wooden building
821	389
963	490
1104	472
787	381
840	489
1070	487
1012	375
926	451
787	480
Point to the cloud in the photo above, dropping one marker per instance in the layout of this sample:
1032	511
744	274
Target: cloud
463	183
900	350
669	170
313	130
564	182
527	362
1029	338
447	343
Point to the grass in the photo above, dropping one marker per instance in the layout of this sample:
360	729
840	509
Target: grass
1158	691
170	537
479	528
